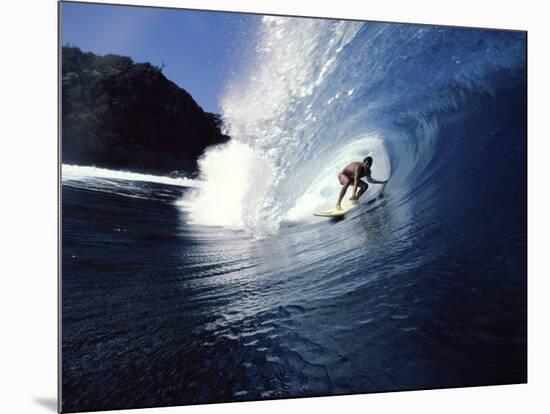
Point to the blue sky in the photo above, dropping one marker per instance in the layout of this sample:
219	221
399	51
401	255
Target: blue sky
199	49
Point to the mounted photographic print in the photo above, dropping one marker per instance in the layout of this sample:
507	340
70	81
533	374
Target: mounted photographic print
258	207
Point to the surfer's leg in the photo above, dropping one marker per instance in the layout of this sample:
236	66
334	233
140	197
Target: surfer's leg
342	194
363	187
345	181
343	178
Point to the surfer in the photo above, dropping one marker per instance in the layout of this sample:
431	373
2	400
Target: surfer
352	174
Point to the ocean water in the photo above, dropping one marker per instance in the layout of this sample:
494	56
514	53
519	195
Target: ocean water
225	287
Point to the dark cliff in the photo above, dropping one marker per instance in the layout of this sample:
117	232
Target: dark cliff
122	115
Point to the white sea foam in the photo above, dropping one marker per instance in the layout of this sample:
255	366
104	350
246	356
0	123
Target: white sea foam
227	182
82	173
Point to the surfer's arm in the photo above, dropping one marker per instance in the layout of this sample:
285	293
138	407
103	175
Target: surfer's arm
373	181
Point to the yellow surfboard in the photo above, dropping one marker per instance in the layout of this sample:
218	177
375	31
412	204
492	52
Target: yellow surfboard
334	212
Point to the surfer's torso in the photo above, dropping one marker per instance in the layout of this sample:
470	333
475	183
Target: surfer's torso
355	167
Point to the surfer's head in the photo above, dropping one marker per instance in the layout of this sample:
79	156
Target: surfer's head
367	161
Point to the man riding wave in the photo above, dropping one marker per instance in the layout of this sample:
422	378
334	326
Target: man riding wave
352	174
